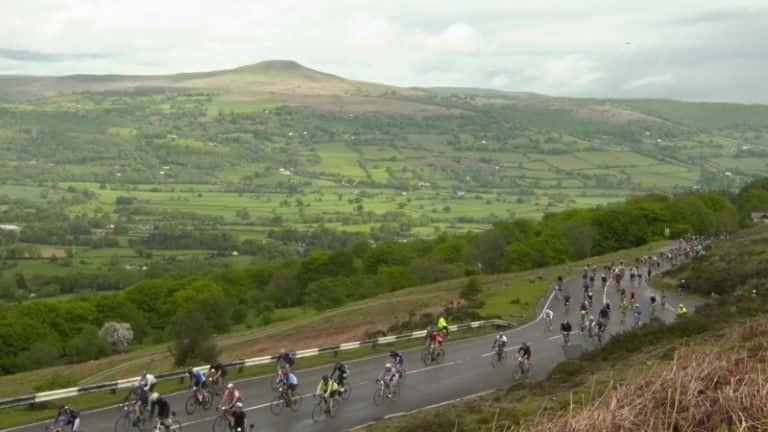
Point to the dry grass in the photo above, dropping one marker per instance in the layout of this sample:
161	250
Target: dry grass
709	389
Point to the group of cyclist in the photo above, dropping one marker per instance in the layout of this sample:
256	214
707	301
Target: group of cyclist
642	268
523	352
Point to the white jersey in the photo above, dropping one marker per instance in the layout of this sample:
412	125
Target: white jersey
147	381
548	314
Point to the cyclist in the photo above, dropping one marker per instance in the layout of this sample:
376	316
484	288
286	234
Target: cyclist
604	279
197	378
229	401
399	359
603	315
623	308
682	310
560	282
216	373
524	356
435	341
328	390
653	304
636	312
565	330
599	330
442	326
163	410
583	320
340	372
66	416
663	299
548	317
566	301
238	418
591	326
146	386
633	297
290	382
389	378
285	360
499	343
589	298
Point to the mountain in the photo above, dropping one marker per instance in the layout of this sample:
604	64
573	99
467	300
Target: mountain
274	76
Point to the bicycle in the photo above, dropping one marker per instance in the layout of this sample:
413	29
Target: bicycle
202	398
175	425
548	323
322	409
566	338
381	394
127	420
222	423
345	391
54	427
525	367
499	357
432	355
282	401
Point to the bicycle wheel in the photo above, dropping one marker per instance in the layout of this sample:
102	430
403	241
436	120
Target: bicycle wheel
277	405
318	412
296	402
123	423
378	396
191	404
207	400
440	355
346	392
176	426
494	360
221	424
274	384
426	358
395	395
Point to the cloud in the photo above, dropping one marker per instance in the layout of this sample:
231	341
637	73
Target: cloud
37	56
650	81
710	51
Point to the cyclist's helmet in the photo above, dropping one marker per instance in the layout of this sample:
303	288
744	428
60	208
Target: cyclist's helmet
190	370
326	378
388	366
230	386
393	353
501	334
154	397
592	317
239	406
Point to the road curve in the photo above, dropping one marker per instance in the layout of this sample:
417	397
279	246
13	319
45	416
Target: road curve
466	370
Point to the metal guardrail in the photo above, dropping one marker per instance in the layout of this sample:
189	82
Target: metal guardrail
125	383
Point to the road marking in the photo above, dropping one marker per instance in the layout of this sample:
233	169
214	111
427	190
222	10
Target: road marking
505	349
437	405
434	367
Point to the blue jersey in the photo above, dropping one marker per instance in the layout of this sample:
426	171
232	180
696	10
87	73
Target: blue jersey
197	377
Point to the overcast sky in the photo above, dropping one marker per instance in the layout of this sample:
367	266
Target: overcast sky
694	50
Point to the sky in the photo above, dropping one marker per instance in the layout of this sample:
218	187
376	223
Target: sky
681	49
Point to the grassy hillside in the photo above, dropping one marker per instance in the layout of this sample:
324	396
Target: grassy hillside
700	373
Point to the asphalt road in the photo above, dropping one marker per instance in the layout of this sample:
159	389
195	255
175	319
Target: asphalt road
466	370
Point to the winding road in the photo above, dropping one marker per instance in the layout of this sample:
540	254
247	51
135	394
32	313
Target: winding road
465	371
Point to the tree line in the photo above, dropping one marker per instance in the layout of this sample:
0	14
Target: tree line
46	332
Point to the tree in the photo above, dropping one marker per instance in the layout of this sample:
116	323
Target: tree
471	291
192	339
119	335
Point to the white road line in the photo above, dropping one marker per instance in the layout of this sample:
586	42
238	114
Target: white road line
434	367
505	349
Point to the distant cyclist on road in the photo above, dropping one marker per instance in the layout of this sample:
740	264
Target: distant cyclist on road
398	360
565	330
197	378
285	359
340	373
442	325
682	310
66	416
548	317
216	373
499	343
